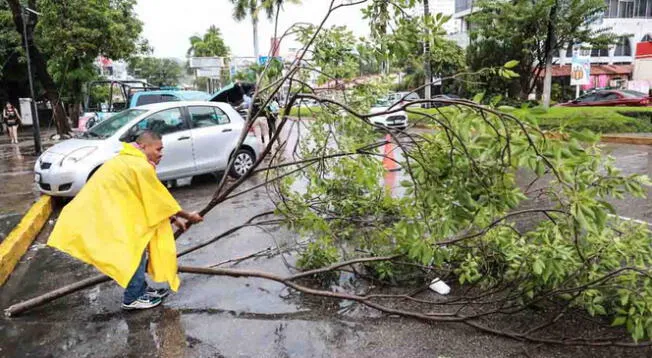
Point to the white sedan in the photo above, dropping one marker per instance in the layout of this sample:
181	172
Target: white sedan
198	138
397	120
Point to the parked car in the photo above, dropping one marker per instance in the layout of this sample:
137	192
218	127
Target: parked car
445	97
403	97
106	98
397	120
198	138
610	98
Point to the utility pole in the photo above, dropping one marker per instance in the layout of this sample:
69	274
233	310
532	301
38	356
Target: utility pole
426	54
36	125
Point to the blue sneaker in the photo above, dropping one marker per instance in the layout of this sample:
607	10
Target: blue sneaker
143	302
160	293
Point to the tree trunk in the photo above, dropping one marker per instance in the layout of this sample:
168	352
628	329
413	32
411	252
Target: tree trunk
75	112
254	22
426	54
40	67
550	41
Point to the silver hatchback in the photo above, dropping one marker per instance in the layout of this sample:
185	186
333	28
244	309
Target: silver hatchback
198	138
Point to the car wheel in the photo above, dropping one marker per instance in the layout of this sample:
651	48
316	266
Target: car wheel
243	161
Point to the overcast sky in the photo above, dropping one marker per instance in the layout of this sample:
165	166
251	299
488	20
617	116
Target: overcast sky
169	23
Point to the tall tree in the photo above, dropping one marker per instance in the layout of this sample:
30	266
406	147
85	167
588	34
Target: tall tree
208	45
426	52
533	31
157	71
68	36
251	8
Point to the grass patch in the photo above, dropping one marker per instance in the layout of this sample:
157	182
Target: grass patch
304	111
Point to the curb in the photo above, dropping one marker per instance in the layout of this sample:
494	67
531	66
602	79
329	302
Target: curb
614	138
22	236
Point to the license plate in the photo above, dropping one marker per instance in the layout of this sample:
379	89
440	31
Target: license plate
37	178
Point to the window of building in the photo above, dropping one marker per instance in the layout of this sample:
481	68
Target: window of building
599	52
612	8
626	9
623	47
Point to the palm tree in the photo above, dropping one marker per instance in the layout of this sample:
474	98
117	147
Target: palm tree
211	44
251	8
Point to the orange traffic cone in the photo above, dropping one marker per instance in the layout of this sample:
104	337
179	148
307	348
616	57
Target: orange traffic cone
389	164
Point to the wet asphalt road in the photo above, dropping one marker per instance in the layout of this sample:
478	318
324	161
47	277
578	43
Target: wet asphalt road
228	317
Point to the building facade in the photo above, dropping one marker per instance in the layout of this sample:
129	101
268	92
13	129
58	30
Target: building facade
631	20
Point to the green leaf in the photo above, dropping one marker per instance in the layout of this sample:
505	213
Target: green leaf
599	309
511	64
538	266
619	321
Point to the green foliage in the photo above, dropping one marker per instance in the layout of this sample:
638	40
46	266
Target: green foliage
74	33
10	41
333	51
157	71
458	204
320	253
244	8
596	119
518	30
211	44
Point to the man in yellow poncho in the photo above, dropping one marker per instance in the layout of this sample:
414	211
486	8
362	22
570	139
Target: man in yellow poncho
120	213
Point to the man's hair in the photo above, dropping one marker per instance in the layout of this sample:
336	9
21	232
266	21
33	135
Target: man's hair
148	137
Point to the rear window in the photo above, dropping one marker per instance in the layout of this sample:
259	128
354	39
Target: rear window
155	98
633	94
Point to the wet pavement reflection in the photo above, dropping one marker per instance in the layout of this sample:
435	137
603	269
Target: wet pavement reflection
233	317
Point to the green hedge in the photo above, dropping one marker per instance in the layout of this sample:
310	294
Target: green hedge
596	119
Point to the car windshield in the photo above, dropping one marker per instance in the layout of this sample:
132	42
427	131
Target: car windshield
107	128
633	94
382	102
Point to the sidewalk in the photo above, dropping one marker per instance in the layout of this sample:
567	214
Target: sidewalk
18	192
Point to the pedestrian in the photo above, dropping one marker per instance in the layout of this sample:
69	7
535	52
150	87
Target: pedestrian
12	120
273	110
120	215
261	129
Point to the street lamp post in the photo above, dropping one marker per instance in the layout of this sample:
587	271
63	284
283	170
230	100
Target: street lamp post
36	125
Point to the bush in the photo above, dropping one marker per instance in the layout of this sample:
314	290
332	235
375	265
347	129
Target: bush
596	119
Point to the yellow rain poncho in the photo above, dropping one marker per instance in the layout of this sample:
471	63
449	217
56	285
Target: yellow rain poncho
121	211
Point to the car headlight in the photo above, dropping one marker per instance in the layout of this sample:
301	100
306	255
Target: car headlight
77	155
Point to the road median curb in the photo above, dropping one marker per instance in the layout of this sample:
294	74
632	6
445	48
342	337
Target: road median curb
22	236
626	139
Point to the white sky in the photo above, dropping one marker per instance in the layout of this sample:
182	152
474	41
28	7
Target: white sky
169	23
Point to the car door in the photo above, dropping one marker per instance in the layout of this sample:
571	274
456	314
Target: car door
587	100
611	99
178	160
214	137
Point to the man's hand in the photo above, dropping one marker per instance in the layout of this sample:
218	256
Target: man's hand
180	224
192	218
195	218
